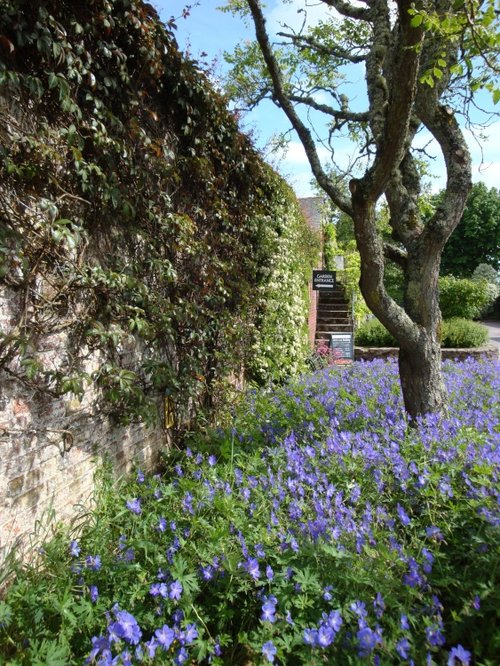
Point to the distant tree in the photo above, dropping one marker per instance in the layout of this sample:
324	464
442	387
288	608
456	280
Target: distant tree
476	239
422	61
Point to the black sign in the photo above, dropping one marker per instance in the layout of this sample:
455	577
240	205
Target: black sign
323	280
342	342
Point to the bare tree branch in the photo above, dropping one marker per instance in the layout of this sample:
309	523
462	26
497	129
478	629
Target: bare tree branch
303	41
400	96
280	94
343	115
351	11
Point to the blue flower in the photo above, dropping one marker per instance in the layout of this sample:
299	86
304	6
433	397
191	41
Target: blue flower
434	532
93	562
269	609
459	653
367	639
310	636
403	516
327	595
269	651
402	648
334	620
175	590
74	549
164	636
134	505
252	567
191	633
126	628
181	656
159	590
325	636
94	593
434	636
151	647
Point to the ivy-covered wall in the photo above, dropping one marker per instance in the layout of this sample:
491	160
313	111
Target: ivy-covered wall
146	251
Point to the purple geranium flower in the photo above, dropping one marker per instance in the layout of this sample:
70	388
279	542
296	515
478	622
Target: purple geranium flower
181	656
93	562
310	636
165	636
459	653
175	590
252	567
325	636
159	590
269	651
402	648
434	636
269	609
126	628
367	639
74	549
403	516
134	505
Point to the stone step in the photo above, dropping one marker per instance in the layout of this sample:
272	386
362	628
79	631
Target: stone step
332	301
333	315
334	312
323	333
332	325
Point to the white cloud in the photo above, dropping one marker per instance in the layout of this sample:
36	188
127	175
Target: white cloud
296	155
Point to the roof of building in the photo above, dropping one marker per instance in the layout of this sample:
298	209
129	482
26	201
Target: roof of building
312	207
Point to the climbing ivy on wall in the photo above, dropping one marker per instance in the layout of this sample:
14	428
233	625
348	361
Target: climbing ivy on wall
136	221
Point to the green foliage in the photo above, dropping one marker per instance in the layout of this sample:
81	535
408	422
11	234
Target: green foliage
137	218
280	346
473	25
476	239
462	298
373	333
330	246
462	333
456	333
486	272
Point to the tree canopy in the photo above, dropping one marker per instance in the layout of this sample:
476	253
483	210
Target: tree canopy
476	240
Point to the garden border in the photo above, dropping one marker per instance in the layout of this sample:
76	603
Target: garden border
490	352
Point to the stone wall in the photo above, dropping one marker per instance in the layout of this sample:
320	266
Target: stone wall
51	447
369	353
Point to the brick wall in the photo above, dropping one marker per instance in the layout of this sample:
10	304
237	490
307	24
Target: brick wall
313	314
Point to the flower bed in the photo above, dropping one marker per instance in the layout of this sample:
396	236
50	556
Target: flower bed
320	529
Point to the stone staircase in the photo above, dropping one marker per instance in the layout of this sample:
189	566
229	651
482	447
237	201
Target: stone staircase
333	314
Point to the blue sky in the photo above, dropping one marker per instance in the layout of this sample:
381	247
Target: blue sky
210	31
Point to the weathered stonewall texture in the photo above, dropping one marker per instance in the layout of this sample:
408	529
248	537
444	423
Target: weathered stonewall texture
50	448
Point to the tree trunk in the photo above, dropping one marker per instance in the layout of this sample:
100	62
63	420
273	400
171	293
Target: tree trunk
421	379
